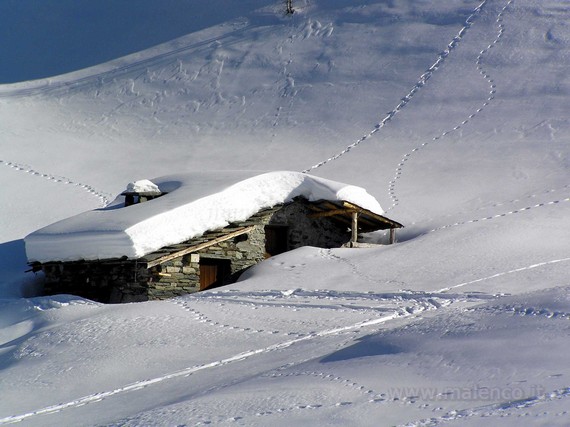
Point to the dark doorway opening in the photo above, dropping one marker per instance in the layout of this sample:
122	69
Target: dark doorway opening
276	239
214	272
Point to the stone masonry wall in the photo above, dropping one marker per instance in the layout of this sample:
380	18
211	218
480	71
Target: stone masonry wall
305	231
97	280
182	275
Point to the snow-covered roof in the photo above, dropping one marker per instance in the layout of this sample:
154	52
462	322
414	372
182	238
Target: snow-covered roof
143	186
195	203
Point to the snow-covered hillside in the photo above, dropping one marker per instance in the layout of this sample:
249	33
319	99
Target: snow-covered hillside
453	114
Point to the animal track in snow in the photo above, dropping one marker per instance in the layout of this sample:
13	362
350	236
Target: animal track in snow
501	215
200	317
341	308
523	311
490	97
493	205
282	345
298	301
371	395
503	409
142	384
419	85
59	179
327	377
327	254
366	393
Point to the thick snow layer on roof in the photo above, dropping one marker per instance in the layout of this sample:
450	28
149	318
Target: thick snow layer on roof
143	186
194	204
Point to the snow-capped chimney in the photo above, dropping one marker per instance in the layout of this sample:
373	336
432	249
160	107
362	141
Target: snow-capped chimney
141	191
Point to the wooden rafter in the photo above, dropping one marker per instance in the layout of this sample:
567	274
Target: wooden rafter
342	212
200	246
333	212
373	215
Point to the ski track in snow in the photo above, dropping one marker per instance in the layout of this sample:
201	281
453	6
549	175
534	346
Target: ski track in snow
334	301
96	397
441	292
314	300
59	179
430	297
501	409
491	96
414	309
419	85
248	297
505	273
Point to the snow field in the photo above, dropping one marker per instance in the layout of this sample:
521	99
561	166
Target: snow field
464	322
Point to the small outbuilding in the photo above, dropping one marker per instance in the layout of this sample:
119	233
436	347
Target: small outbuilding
182	234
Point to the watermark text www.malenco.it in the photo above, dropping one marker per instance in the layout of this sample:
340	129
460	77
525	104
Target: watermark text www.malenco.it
474	393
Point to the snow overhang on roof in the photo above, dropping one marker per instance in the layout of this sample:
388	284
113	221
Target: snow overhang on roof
194	204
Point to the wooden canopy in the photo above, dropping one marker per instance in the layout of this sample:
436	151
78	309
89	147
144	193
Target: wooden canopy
353	216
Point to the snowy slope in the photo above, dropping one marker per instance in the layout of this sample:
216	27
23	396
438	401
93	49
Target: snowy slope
452	114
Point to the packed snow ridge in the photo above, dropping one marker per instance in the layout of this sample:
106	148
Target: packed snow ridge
193	204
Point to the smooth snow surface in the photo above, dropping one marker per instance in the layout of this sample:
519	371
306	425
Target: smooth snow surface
452	114
185	212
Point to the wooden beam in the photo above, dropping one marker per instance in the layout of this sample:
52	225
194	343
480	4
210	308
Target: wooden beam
331	213
330	205
392	235
373	215
362	219
352	206
201	246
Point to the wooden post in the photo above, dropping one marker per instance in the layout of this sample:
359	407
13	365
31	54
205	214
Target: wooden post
354	227
392	235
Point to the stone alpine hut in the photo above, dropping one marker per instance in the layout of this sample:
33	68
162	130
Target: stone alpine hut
194	232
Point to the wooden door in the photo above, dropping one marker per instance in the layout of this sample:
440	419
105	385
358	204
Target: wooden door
208	275
214	272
